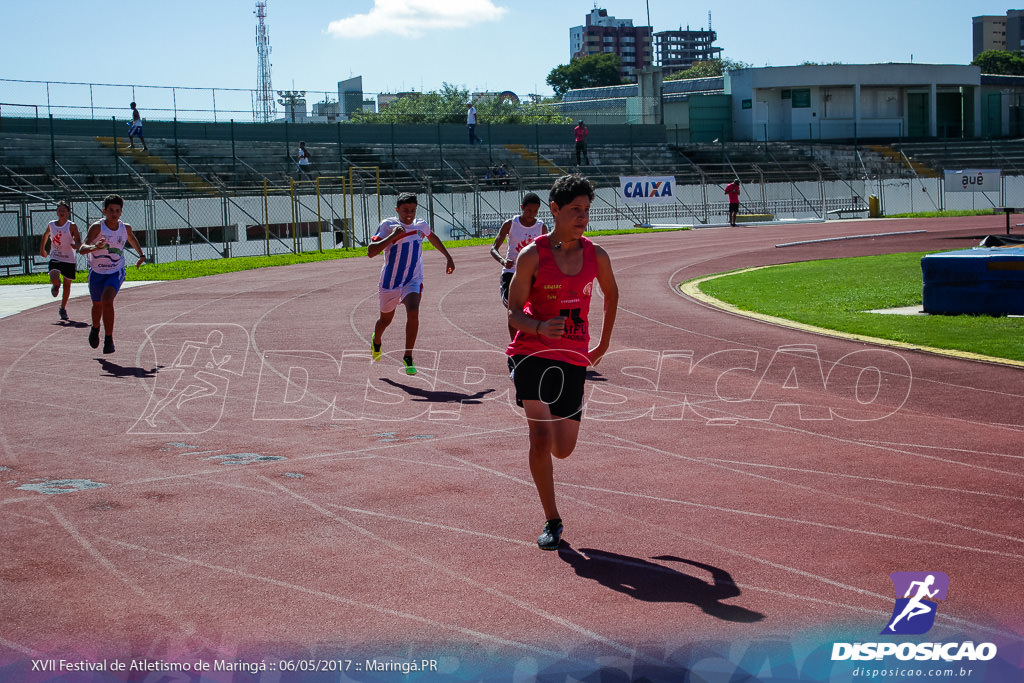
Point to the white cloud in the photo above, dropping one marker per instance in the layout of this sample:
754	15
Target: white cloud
412	18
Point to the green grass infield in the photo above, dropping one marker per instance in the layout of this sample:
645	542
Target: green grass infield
183	270
836	294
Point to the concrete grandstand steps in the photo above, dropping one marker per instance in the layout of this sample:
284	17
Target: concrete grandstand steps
851	161
917	167
88	164
527	156
1006	155
756	162
158	166
69	164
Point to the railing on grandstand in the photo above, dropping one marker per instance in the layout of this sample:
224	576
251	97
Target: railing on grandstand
331	212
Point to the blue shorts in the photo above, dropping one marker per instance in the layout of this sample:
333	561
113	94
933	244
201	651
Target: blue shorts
98	282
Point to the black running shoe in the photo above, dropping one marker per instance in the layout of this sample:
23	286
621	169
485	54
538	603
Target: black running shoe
94	337
108	344
63	313
552	535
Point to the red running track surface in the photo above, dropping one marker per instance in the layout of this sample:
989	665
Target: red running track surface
239	482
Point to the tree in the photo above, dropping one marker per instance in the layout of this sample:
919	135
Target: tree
1000	62
445	106
591	71
709	68
495	110
449	106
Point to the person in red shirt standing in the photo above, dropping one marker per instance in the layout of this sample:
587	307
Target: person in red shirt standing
581	142
549	305
733	190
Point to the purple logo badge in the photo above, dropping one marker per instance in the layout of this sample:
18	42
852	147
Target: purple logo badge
917	596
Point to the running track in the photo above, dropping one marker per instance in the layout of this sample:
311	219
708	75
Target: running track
239	483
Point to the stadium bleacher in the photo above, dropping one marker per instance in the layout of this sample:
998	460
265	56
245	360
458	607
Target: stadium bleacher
41	165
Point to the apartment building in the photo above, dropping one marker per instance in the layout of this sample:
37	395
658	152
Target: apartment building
678	50
603	34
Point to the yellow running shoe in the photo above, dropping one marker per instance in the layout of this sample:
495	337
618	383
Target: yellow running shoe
374	350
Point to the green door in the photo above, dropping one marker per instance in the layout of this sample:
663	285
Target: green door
949	114
993	116
917	115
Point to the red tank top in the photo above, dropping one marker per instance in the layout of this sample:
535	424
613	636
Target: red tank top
554	294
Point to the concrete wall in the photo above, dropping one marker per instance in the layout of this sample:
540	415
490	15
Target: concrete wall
845	100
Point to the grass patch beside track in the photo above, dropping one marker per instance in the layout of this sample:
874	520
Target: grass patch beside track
835	294
184	270
945	214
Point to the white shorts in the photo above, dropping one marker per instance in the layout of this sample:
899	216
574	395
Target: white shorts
390	298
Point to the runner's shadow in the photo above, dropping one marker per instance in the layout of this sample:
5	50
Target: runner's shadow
72	323
438	396
650	582
114	370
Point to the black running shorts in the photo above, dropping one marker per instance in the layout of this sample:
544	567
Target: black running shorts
506	280
66	269
555	382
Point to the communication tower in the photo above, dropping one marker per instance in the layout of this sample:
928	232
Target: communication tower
264	109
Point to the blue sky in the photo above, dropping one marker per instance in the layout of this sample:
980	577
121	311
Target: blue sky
419	44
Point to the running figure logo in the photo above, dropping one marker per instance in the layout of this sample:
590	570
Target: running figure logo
914	612
190	392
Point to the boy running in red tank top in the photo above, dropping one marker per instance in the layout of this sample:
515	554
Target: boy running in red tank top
549	305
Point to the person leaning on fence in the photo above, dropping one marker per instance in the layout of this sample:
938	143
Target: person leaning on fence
733	190
135	128
304	160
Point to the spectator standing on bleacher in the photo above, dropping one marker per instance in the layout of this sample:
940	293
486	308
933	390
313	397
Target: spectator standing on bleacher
733	190
471	123
135	128
581	142
304	159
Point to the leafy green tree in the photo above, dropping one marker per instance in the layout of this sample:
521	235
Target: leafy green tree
709	68
448	105
445	106
1000	62
493	110
591	71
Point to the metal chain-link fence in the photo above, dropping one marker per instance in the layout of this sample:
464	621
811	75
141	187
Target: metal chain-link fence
345	211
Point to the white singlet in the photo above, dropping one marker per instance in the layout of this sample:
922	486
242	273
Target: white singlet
62	246
110	259
519	236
